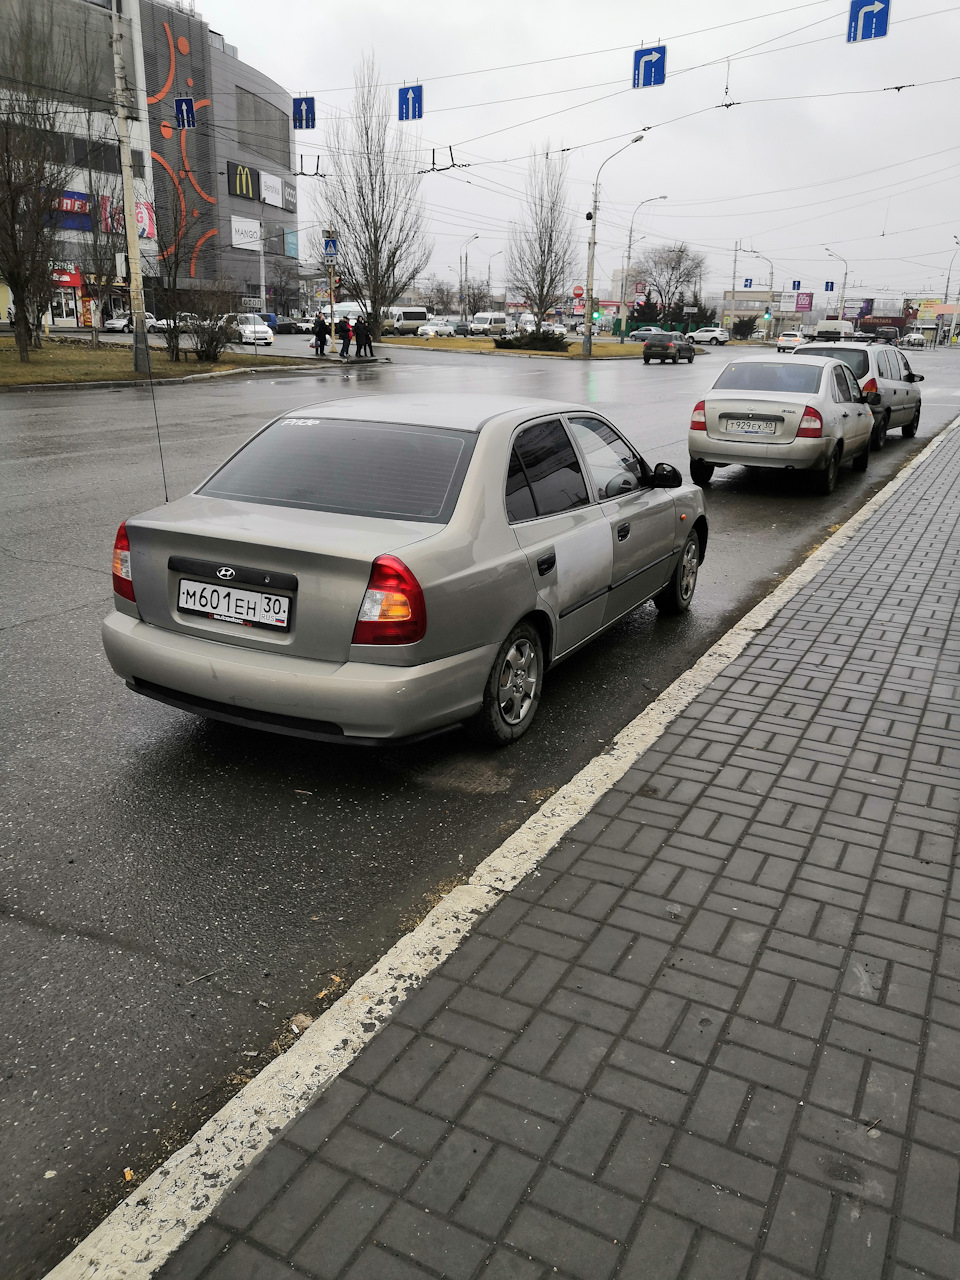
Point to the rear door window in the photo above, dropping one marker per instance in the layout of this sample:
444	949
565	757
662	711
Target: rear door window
378	469
520	505
552	468
852	384
841	388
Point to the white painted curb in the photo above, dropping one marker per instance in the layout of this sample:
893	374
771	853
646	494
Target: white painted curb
142	1232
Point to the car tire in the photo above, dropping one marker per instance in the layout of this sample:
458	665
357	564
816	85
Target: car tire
512	692
677	594
701	472
909	429
714	341
690	359
825	481
878	436
645	360
862	460
127	329
676	360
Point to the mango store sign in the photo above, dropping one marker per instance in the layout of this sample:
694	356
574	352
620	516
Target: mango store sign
245	233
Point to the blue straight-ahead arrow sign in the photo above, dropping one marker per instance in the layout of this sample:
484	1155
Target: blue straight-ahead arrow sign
748	282
828	286
185	114
796	284
650	67
411	102
868	20
304	113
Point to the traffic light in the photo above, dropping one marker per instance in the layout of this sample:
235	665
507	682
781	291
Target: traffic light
596	315
766	315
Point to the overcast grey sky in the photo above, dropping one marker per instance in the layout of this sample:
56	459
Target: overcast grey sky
818	148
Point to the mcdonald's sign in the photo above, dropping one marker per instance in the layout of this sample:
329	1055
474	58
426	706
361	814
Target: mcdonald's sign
243	181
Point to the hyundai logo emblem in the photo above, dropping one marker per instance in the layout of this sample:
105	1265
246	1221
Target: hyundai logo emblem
226	572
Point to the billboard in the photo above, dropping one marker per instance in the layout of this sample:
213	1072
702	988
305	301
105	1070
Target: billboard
928	308
245	234
788	302
271	189
243	181
804	302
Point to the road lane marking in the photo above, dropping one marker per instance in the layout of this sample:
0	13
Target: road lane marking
145	1229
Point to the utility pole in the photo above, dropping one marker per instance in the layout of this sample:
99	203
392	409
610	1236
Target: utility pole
733	287
626	272
465	273
263	266
769	289
953	317
141	349
587	347
843	287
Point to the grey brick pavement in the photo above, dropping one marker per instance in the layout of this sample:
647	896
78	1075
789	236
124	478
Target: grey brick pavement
717	1035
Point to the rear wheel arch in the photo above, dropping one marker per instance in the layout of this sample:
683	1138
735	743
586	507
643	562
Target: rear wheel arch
544	627
700	529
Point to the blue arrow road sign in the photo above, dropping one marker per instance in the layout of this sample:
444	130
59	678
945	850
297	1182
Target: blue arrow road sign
828	286
649	67
304	113
185	116
411	102
796	284
330	249
868	20
748	283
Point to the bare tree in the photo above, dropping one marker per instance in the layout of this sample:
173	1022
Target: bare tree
668	271
440	296
478	296
540	254
284	277
34	165
372	200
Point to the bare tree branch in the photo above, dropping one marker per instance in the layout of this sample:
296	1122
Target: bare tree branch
372	200
668	271
540	255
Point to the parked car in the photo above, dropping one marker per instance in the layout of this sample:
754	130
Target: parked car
668	346
246	327
383	567
802	412
269	319
461	328
185	321
427	331
304	324
121	322
885	378
403	319
641	334
913	340
711	335
789	340
286	324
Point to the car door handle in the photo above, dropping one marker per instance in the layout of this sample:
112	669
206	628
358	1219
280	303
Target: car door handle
844	414
623	532
546	563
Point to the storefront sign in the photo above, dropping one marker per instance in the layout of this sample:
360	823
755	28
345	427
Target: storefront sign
271	189
245	234
804	302
290	196
243	181
67	278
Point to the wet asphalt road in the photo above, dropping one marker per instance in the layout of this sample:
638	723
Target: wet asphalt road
175	890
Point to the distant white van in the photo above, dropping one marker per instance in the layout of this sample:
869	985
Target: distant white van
833	329
489	322
403	319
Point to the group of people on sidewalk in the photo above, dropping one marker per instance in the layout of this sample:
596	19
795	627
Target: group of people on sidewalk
358	332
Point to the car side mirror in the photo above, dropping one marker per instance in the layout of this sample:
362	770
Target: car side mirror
914	377
666	476
872	397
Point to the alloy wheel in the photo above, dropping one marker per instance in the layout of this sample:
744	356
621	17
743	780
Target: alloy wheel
518	682
689	565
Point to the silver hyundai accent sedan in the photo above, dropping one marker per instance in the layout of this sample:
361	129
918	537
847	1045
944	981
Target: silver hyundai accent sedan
380	568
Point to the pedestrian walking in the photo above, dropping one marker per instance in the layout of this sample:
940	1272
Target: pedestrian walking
361	335
320	332
343	333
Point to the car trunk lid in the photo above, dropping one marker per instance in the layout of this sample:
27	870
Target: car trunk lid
275	577
761	415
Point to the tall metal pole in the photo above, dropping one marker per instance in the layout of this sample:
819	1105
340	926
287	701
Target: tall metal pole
464	273
843	287
263	265
733	287
141	350
587	348
953	318
623	283
770	287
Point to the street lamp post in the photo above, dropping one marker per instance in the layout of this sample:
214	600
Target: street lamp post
953	317
592	249
489	261
623	282
464	270
770	285
843	287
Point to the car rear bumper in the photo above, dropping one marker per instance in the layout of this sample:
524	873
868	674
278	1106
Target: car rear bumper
356	702
802	455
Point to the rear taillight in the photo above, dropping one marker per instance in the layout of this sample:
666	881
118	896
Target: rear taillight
870	386
811	424
122	577
393	610
698	419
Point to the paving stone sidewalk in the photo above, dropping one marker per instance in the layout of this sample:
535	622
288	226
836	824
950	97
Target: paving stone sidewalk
717	1035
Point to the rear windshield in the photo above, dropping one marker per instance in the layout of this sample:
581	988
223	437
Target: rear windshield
377	469
757	375
659	337
858	362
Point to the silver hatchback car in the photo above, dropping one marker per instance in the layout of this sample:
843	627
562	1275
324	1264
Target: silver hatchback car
384	567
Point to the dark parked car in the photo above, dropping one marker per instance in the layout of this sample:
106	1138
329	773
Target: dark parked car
668	346
283	324
461	329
